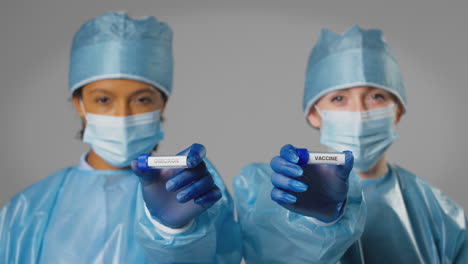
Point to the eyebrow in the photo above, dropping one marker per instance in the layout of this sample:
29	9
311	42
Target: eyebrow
334	93
100	90
142	90
379	90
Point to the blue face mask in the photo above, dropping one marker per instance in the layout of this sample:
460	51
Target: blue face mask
120	139
367	134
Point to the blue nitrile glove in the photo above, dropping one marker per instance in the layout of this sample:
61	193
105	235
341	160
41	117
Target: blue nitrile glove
174	196
316	190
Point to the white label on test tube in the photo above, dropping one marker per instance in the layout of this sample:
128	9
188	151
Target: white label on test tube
167	161
336	158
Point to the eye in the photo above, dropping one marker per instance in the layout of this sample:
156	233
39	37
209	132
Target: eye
102	100
145	100
378	96
337	98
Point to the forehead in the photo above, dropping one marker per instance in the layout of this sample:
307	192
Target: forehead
358	90
118	86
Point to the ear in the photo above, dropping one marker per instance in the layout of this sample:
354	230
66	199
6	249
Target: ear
399	113
163	108
76	103
314	118
161	114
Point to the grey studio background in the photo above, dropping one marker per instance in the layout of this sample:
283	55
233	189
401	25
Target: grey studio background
238	84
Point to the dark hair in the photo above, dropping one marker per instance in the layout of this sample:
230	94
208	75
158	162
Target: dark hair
79	94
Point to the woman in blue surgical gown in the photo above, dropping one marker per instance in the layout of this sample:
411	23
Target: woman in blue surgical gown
355	96
99	211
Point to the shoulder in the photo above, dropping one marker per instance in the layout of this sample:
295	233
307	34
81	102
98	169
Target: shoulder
52	180
33	204
410	181
413	183
40	192
436	201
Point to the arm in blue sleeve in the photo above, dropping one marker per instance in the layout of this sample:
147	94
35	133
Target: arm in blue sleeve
3	234
462	256
213	237
449	221
24	220
273	234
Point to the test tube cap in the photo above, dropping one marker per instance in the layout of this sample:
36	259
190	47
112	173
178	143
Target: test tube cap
303	156
142	162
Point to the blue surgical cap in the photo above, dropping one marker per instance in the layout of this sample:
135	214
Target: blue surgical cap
358	57
116	46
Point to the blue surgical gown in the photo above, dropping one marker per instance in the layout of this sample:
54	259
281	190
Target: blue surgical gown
82	216
408	221
273	234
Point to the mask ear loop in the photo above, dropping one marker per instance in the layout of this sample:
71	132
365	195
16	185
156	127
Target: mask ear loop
83	109
318	111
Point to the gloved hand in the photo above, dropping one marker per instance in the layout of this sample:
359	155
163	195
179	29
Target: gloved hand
316	190
174	196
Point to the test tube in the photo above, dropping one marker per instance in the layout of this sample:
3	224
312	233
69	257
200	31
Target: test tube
306	157
169	208
147	162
